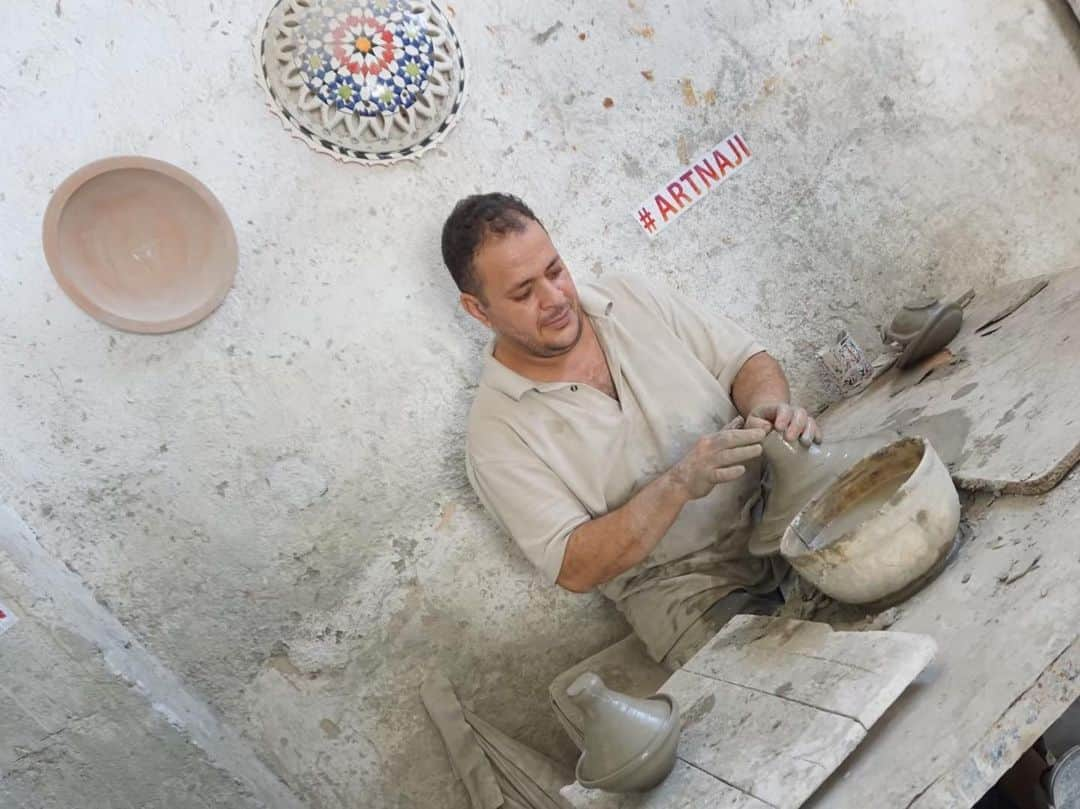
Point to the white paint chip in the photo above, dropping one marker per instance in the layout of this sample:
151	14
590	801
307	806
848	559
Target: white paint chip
7	618
697	179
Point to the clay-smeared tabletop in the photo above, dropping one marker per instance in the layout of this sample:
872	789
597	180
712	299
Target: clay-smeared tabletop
1003	414
1005	613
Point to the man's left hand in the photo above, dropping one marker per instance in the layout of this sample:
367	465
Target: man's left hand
793	421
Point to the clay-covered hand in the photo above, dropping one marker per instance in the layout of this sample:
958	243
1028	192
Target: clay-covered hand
790	420
717	458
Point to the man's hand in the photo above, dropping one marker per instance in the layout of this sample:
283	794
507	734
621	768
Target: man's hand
794	422
717	458
608	546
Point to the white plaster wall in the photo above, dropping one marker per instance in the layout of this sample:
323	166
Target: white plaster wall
274	502
88	718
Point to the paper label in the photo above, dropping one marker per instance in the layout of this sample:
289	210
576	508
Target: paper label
7	619
703	174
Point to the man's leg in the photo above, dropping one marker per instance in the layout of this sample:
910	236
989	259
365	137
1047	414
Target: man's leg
627	667
705	628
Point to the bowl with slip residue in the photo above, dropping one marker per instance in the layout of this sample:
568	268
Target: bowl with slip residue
881	530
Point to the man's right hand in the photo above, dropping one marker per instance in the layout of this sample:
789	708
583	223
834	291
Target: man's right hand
717	458
607	546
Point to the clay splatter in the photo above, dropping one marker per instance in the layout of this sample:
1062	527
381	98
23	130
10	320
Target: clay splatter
699	710
965	390
544	36
689	96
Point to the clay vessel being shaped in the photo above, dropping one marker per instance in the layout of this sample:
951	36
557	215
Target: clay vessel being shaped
797	473
629	743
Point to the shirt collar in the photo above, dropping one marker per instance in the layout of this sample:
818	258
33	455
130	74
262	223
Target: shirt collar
594	302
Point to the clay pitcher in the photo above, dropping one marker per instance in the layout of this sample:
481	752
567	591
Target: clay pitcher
796	474
629	742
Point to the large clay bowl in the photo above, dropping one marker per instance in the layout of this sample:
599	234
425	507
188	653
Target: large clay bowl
140	244
645	770
880	529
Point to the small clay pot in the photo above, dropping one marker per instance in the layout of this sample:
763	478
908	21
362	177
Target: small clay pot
924	327
630	743
880	530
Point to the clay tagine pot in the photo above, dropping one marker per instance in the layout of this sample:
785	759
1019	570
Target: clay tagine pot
797	473
629	743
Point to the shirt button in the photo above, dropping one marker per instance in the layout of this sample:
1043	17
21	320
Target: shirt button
573	387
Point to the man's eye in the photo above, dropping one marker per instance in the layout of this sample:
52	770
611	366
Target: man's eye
521	297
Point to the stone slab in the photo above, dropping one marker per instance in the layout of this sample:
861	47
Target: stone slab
852	675
686	788
771	707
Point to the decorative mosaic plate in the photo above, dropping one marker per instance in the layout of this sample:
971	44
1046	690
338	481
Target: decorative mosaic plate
369	81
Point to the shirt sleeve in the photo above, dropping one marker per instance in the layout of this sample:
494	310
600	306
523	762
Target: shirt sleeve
719	343
531	504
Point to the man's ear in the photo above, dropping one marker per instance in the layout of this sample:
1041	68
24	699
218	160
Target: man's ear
473	305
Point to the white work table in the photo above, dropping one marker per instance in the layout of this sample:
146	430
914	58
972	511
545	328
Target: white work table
1004	612
1008	662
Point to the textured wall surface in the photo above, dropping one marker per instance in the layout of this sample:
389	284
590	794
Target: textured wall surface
73	733
273	501
74	736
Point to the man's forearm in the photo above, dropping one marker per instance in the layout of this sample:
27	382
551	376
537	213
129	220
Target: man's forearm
760	381
602	548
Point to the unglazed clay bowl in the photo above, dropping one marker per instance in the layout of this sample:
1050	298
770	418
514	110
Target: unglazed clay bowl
140	244
645	770
881	529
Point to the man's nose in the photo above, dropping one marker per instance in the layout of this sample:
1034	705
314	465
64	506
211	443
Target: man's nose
551	296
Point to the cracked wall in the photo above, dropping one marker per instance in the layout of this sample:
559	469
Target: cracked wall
274	501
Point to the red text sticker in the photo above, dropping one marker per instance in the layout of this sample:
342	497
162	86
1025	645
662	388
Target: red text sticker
7	619
704	174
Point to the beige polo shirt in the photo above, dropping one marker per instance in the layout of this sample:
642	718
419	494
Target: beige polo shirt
546	457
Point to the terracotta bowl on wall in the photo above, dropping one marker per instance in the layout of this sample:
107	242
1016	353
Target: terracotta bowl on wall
140	244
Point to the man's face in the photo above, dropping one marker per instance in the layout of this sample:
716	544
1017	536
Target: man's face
529	298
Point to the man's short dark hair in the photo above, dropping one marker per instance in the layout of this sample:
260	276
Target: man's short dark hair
469	225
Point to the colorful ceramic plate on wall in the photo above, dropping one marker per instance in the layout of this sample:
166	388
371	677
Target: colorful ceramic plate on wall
140	244
366	81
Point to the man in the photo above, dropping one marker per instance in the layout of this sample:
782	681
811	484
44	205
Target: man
607	435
